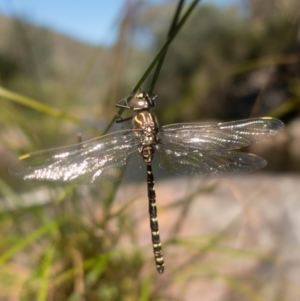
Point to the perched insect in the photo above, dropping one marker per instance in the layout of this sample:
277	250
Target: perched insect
196	149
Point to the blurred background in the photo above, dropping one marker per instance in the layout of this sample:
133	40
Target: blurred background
63	67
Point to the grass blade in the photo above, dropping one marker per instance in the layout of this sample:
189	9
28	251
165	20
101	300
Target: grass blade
159	55
24	242
46	268
171	30
39	107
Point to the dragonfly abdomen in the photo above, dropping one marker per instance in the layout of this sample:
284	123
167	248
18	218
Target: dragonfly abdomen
157	248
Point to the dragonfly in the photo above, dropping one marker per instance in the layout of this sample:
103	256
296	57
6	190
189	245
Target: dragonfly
193	149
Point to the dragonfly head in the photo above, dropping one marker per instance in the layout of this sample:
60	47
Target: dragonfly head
142	101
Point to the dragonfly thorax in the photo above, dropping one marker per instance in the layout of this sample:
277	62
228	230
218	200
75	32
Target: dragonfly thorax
146	128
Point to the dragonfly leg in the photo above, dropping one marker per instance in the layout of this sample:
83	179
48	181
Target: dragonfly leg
121	119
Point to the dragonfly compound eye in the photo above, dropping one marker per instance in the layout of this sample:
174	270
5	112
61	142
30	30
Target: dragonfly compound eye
141	101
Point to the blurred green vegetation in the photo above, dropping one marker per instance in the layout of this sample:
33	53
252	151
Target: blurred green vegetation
226	63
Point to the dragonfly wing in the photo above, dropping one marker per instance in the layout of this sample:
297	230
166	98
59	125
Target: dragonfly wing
81	163
209	164
216	136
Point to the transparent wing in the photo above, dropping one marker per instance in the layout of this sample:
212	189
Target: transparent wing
203	149
210	164
81	163
212	136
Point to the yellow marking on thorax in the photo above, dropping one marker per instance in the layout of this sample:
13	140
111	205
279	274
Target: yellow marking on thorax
137	120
